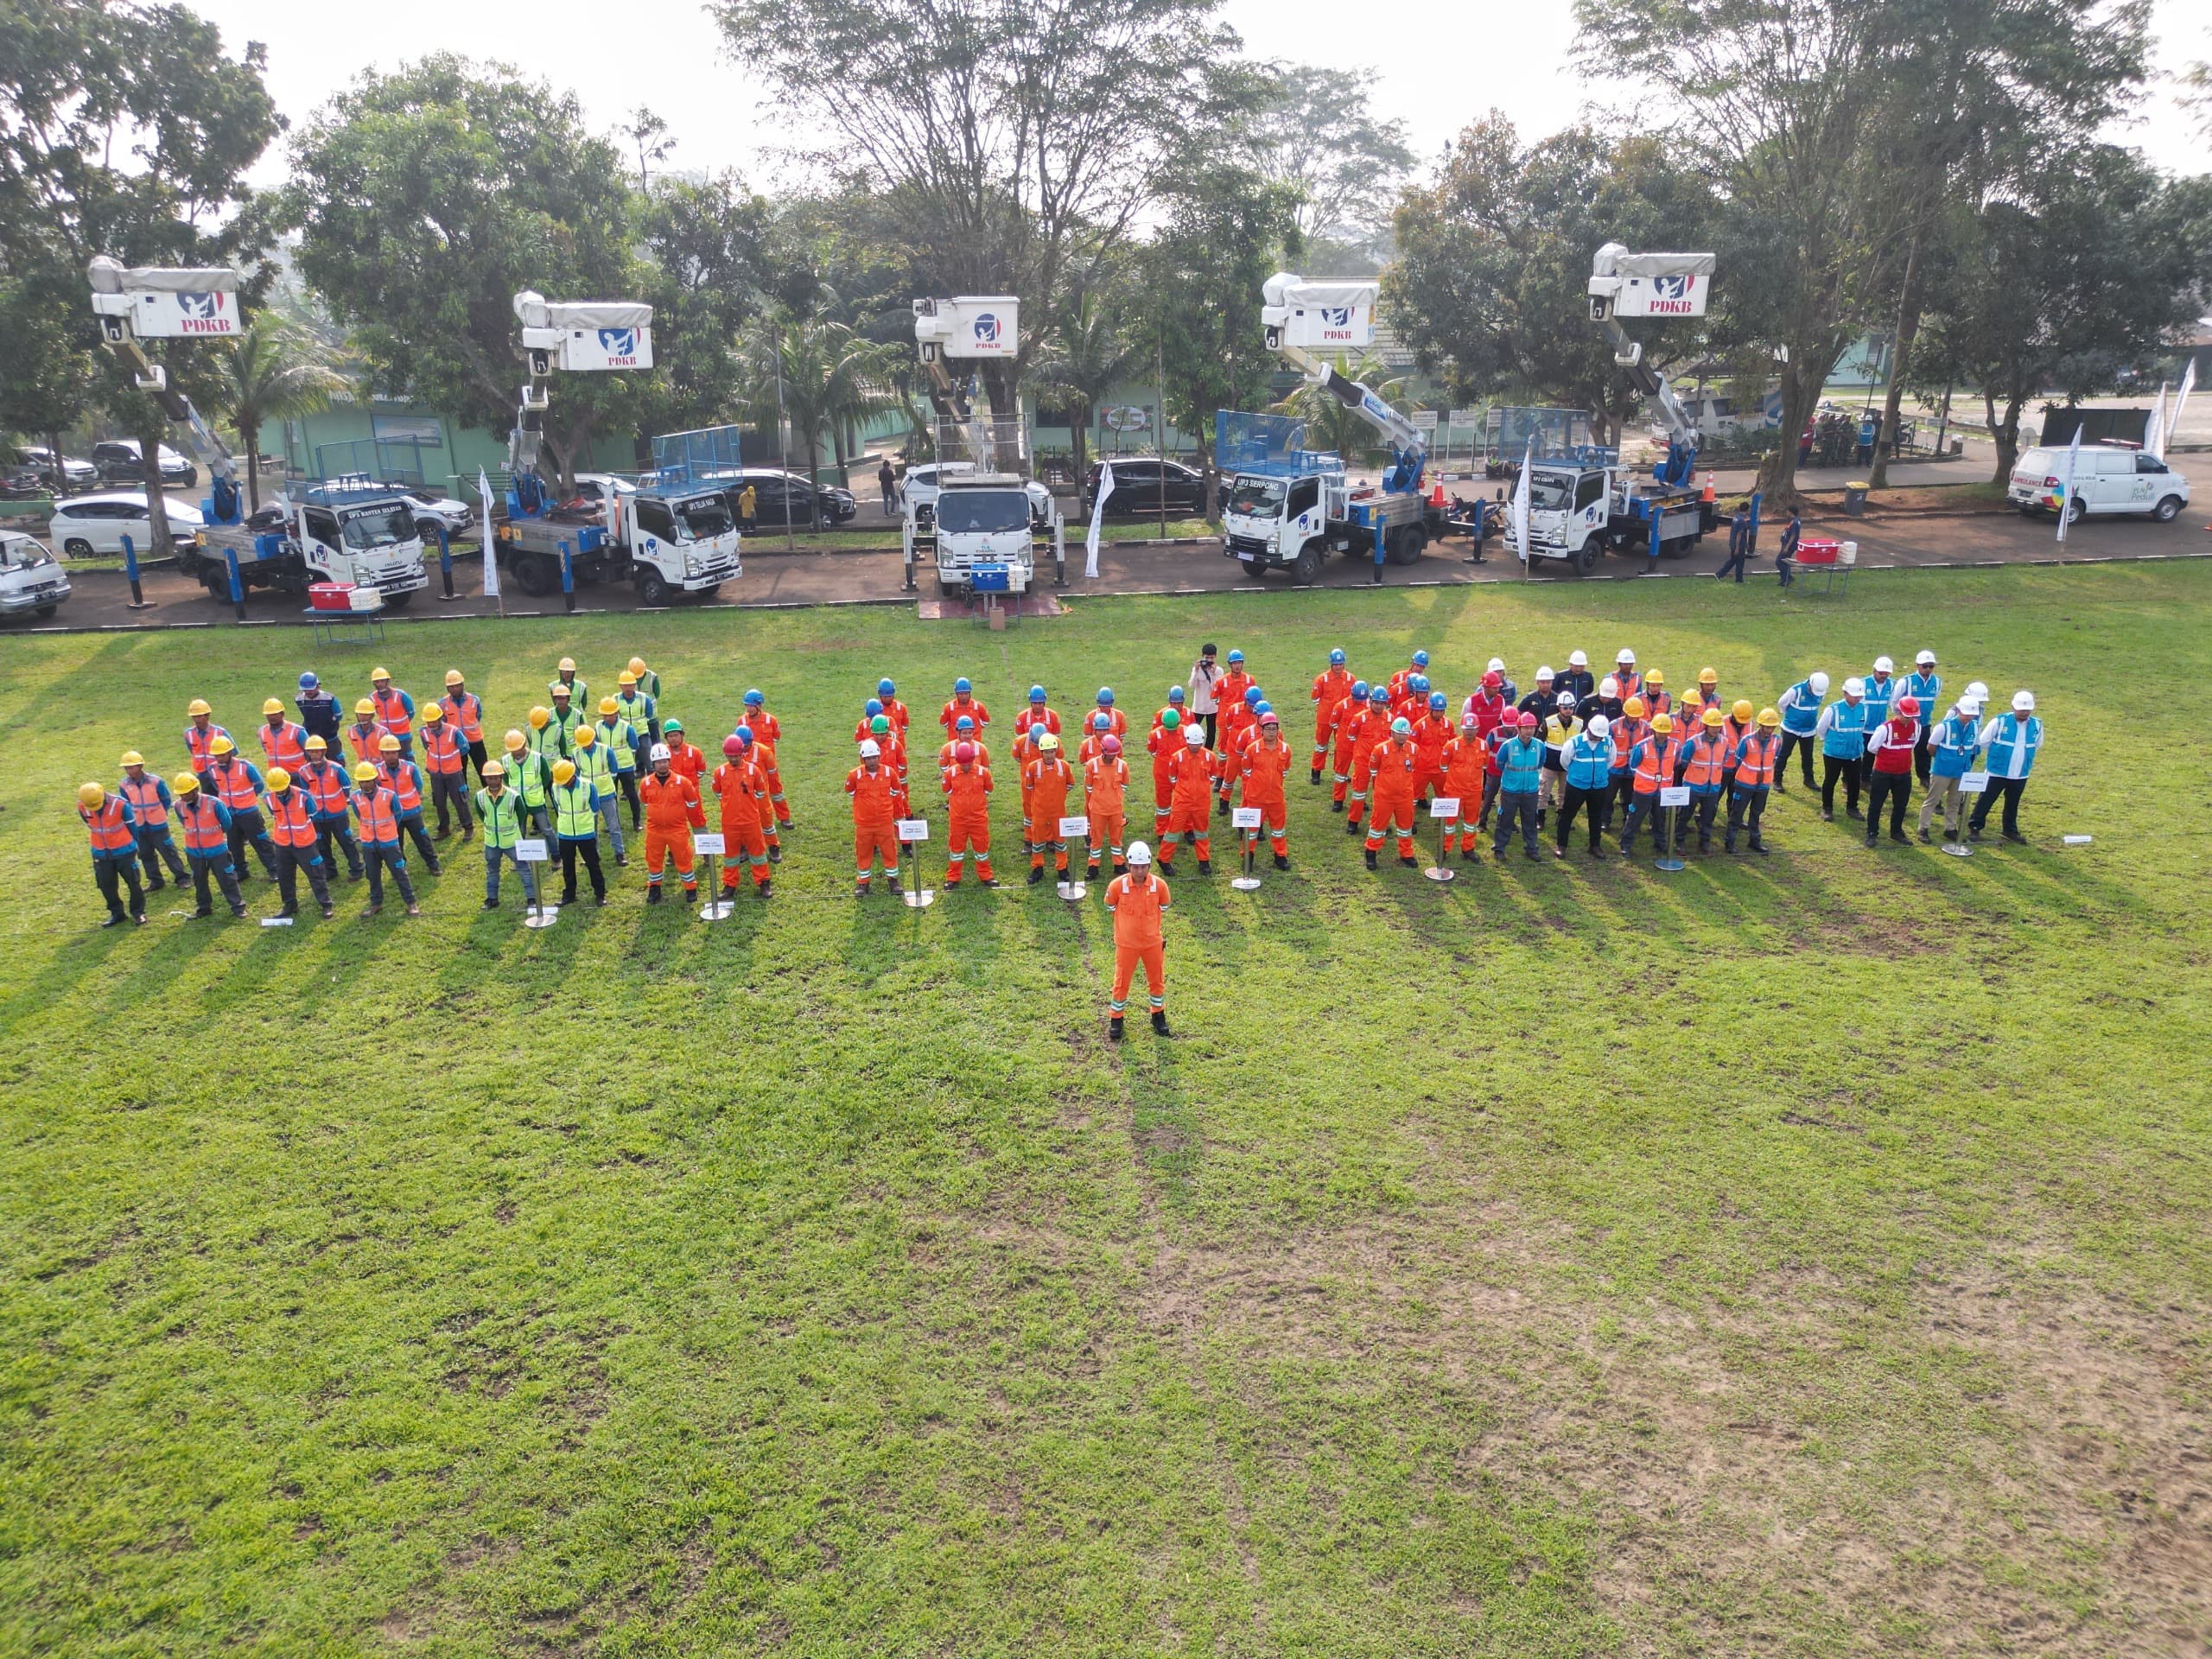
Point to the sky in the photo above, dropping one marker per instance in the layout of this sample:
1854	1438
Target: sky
1439	70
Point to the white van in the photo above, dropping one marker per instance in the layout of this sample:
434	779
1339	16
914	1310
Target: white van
2108	478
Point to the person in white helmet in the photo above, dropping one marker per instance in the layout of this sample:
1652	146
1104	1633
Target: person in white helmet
1578	679
1135	900
2010	744
1881	691
1953	741
1625	675
1924	685
875	818
1800	708
1842	732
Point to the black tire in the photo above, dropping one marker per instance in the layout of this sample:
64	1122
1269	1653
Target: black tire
2076	509
652	587
1253	568
77	547
1405	545
950	590
400	601
46	610
534	573
1585	560
2167	509
1305	570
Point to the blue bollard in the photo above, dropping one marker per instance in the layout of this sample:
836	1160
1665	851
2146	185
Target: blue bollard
567	577
238	587
130	571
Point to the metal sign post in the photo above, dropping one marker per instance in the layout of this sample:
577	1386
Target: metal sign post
1444	808
1246	821
1672	797
718	906
1077	830
536	914
914	832
1971	783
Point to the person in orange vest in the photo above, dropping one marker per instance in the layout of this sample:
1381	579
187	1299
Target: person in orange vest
673	810
1348	709
1032	723
684	756
206	825
1704	759
1466	768
1330	687
875	823
1653	760
1757	753
283	742
403	779
967	785
465	716
1134	900
768	735
113	831
201	732
1628	730
236	784
1190	797
395	708
1045	781
446	755
1394	773
1163	744
366	734
1263	767
1105	801
742	789
149	801
381	848
1733	730
291	825
962	705
325	781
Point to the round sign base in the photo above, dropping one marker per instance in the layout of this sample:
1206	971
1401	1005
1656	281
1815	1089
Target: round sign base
918	897
717	910
546	916
1958	849
1071	891
1670	865
1246	883
1438	872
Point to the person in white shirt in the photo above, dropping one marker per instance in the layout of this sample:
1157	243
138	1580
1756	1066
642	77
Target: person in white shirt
1204	675
2010	745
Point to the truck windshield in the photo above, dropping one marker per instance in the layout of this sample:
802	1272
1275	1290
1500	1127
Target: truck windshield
1550	492
701	518
385	526
962	512
1256	498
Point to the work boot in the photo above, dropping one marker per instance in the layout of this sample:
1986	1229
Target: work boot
1352	826
238	912
1036	874
414	910
1705	843
200	914
444	831
1335	806
897	890
1407	860
469	835
372	913
1852	812
989	882
1282	861
1728	844
599	901
329	911
288	911
1827	815
775	854
1871	839
491	904
1314	776
1760	847
1529	853
1205	865
1160	1022
621	860
1925	842
1371	858
1120	869
1898	837
112	921
2015	839
1113	1028
156	885
653	894
1224	808
1470	855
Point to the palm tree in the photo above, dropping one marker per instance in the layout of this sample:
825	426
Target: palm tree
823	376
276	372
1087	353
1329	424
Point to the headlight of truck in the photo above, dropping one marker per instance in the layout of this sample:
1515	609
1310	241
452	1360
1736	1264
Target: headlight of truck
200	538
690	565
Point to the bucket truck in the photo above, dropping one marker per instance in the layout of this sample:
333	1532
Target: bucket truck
982	524
1288	507
672	535
1576	509
354	530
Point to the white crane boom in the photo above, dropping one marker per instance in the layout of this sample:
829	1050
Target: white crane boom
1299	315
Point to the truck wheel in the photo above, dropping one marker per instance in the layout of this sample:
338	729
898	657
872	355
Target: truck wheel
400	601
534	573
653	588
46	610
1253	568
2167	511
78	548
1406	544
1584	558
1305	570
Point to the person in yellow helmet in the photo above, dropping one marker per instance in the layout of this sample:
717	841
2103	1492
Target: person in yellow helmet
530	776
205	823
575	818
501	813
619	740
291	823
200	731
113	830
549	738
380	839
150	805
564	679
648	681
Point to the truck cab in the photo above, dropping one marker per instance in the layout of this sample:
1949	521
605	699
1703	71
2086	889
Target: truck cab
983	529
365	537
679	541
1578	510
1282	523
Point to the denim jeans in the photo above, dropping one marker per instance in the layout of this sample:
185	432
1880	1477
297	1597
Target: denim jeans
493	856
610	808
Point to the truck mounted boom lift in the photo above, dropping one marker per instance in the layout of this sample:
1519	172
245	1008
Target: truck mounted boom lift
178	304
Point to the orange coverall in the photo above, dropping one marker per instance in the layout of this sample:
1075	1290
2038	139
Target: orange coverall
975	710
945	762
1190	809
1368	731
1340	733
1432	731
1393	771
1163	746
1105	802
1235	726
743	791
767	732
875	821
690	761
673	810
1264	767
1466	767
968	813
1135	906
1330	689
1045	781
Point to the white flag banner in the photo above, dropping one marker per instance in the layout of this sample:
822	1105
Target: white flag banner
2172	422
1521	504
1097	517
2066	494
2154	428
491	563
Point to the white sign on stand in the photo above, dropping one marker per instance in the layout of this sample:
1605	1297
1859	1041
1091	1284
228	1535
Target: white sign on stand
1974	782
913	832
1077	829
914	829
1247	818
718	906
1244	818
1675	794
715	845
532	851
1444	806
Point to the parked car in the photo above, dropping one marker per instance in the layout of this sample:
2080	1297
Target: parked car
88	525
76	473
30	580
2108	478
920	487
597	486
120	461
435	510
1139	483
782	498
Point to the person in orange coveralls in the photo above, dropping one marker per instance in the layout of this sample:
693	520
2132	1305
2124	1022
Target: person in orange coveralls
1135	901
673	810
1164	744
1394	773
1330	687
1046	781
1264	766
1190	812
1432	731
743	790
888	694
685	758
966	783
875	822
963	730
1368	732
1466	772
1341	729
1097	730
1105	800
767	735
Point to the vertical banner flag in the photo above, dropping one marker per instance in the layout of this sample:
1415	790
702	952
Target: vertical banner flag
1097	514
491	563
2154	442
2172	422
2066	494
1520	503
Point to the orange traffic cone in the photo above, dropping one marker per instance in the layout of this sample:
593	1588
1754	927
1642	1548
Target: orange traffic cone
1708	487
1436	495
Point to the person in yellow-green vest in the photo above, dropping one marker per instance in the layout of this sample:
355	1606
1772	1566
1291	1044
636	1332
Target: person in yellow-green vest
595	764
565	682
530	777
500	810
620	739
576	821
567	715
549	739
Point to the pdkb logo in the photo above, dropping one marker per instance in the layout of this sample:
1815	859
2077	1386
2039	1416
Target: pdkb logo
1336	316
202	313
987	330
620	345
1672	293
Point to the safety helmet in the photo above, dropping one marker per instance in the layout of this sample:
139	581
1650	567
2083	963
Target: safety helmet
307	681
1883	664
637	665
1401	727
1969	705
1420	659
566	665
1655	677
514	740
626	677
1769	718
564	772
659	751
560	688
1663	724
1036	694
872	707
1195	737
222	746
1854	687
1909	708
965	753
671	724
609	707
587	735
198	706
377	676
1707	676
364	709
1174	694
133	758
1111	745
1170	719
1269	717
753	699
1049	743
1236	655
272	707
1819	681
1599	725
870	750
539	715
1359	690
744	736
1139	853
1527	722
1105	698
494	769
2023	702
277	779
1976	688
1335	659
1544	673
90	794
365	773
885	688
1379	696
1577	659
1626	658
388	744
961	686
880	725
1741	708
1470	723
433	712
1565	700
1926	659
1436	701
317	746
1714	717
1633	708
1492	680
1251	696
733	746
1417	682
186	782
965	724
453	677
1101	721
1609	687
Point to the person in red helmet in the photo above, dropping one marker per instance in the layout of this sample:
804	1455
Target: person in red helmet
742	788
1105	801
967	785
1263	767
1891	745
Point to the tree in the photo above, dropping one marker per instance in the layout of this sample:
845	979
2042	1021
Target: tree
428	199
1329	424
46	378
1489	286
1315	130
2095	271
819	375
649	134
704	247
274	373
1088	349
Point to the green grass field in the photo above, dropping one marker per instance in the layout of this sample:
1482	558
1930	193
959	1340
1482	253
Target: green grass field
1802	1256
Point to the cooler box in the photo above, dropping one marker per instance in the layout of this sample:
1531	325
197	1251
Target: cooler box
343	598
1813	552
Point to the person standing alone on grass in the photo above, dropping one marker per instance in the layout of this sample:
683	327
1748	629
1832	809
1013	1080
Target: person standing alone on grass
1134	900
2013	739
875	822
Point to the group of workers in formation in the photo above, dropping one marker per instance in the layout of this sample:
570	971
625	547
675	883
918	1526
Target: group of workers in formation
1577	747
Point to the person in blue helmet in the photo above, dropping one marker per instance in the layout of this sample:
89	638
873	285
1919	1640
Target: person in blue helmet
1370	731
887	693
1432	733
962	705
1116	721
767	737
1240	724
1330	687
319	711
1399	683
1348	708
869	710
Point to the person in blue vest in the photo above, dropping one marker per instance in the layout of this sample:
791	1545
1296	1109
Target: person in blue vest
2010	743
1587	760
1842	734
1520	768
1800	708
1881	692
1924	686
1953	743
319	712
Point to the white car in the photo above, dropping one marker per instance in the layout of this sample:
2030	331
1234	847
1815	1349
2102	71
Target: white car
30	580
97	523
2108	478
